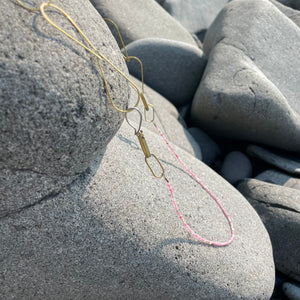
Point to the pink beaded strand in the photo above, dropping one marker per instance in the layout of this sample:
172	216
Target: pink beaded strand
192	232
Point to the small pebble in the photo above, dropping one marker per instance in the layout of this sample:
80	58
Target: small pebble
292	291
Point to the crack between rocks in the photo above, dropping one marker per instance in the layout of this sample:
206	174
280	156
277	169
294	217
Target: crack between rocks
276	205
39	173
47	197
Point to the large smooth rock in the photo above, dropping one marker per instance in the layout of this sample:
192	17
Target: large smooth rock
172	68
194	15
288	163
55	116
139	19
113	234
279	209
280	178
241	94
166	117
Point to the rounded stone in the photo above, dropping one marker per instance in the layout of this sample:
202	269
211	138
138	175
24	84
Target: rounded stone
55	115
292	291
236	166
209	149
172	68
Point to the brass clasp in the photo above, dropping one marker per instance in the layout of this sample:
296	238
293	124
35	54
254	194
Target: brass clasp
143	144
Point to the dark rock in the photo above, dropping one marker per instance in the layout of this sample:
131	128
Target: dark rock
288	163
291	290
209	149
236	166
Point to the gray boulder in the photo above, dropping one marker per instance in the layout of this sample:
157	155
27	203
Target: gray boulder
209	149
241	94
279	209
194	15
113	234
293	14
55	116
139	19
166	117
280	178
236	166
172	68
52	96
288	163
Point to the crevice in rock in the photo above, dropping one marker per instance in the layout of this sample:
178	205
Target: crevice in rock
51	195
276	205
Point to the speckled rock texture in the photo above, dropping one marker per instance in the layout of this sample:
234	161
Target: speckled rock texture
172	68
241	94
55	116
114	234
52	96
279	209
139	19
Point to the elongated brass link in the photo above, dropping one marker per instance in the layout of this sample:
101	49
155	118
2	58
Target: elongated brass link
119	34
127	59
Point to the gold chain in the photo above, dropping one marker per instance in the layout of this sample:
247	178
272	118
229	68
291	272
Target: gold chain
99	56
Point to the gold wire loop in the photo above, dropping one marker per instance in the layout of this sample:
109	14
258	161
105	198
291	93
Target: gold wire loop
145	113
136	131
93	51
144	101
160	164
32	8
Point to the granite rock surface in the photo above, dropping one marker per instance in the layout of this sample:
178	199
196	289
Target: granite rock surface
113	232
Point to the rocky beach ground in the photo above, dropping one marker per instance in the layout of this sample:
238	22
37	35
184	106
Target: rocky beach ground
82	217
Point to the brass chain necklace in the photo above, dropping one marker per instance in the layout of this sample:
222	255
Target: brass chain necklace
147	108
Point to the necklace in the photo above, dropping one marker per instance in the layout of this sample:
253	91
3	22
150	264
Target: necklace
148	108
